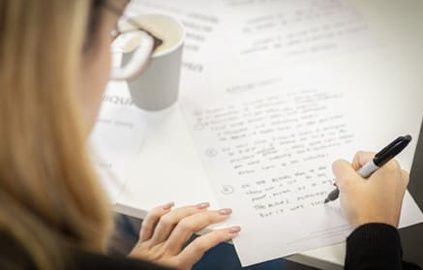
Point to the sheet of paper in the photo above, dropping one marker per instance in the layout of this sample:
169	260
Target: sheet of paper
260	33
268	134
267	145
117	138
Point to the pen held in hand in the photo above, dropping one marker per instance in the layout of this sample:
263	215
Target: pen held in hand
380	159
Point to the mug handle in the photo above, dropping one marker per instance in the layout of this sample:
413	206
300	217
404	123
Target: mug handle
139	60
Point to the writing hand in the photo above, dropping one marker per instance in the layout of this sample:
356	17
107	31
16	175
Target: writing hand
377	199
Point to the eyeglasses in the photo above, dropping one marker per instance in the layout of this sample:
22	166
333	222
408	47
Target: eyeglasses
148	43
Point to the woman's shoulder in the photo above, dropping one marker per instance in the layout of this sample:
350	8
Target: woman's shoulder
14	256
80	259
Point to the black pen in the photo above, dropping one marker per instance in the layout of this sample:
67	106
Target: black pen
380	159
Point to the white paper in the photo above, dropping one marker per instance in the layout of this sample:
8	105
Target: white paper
268	130
268	145
261	33
117	138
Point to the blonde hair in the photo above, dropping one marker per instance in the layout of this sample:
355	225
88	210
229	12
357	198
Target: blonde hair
48	190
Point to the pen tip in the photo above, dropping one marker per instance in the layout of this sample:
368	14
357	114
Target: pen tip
407	137
327	200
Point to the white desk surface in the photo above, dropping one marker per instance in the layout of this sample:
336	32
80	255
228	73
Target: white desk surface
168	157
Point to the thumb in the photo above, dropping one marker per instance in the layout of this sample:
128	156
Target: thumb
344	173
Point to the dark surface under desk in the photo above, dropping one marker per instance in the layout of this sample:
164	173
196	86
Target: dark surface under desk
412	237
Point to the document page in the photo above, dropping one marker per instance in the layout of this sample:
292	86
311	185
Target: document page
268	146
263	32
117	138
268	130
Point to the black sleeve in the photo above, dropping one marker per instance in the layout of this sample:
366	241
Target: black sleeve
375	246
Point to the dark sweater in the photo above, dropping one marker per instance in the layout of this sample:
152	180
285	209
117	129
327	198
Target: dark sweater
375	246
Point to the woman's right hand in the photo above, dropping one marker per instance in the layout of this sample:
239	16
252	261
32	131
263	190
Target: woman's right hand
165	233
377	199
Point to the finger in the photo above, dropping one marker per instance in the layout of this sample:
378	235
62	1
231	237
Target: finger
344	173
361	158
405	177
196	249
150	221
390	169
189	225
392	166
168	221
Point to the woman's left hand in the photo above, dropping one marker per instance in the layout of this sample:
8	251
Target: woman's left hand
165	232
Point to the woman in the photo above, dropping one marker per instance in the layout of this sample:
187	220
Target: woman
54	65
55	62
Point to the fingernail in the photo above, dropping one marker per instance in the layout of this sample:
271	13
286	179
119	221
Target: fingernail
235	230
203	205
225	211
168	206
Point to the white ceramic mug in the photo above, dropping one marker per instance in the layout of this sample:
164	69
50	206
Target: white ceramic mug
153	84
